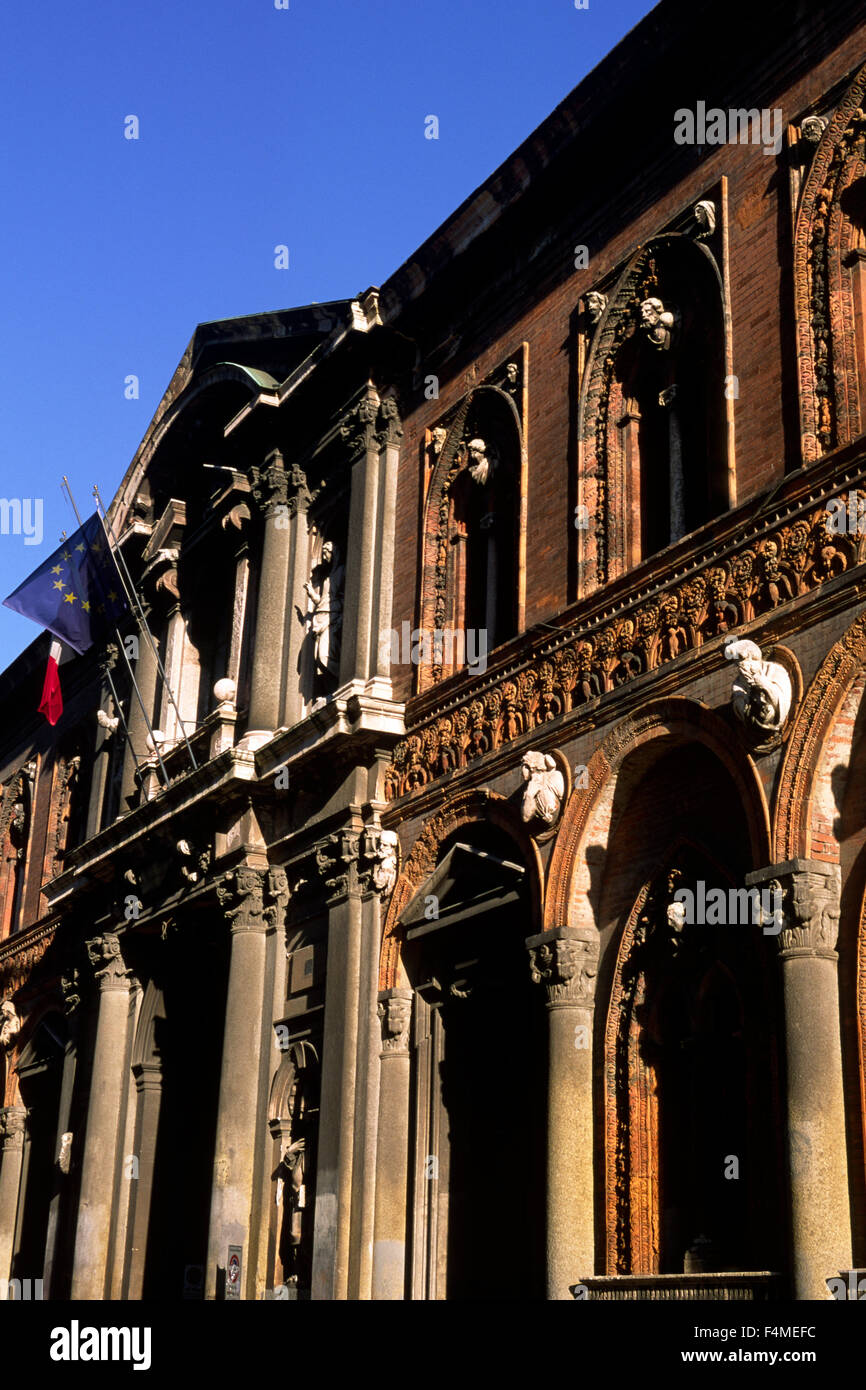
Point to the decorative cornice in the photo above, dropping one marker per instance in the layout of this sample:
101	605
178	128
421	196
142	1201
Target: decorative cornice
756	573
565	961
20	954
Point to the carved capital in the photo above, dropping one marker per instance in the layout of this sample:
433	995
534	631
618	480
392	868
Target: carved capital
808	923
337	863
358	427
269	483
395	1016
277	896
13	1122
377	871
241	895
390	429
565	961
106	959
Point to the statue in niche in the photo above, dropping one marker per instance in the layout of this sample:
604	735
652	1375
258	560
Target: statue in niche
294	1193
658	322
482	461
324	614
761	694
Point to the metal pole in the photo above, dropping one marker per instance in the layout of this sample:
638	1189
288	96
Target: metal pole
138	611
128	665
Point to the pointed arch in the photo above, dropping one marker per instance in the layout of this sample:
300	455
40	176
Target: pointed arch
632	409
830	281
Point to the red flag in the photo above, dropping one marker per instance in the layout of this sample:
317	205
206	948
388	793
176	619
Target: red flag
51	704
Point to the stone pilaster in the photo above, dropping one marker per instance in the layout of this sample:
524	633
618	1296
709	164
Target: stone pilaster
107	1094
565	963
13	1123
817	1156
392	1152
242	895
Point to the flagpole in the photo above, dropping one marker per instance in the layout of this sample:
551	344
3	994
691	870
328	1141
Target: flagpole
134	603
128	666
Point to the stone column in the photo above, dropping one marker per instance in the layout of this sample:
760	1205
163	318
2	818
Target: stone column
336	860
231	1213
298	498
806	937
270	491
390	437
392	1150
101	1139
13	1120
565	962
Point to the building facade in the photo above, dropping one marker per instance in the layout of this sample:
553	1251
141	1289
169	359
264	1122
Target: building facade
478	884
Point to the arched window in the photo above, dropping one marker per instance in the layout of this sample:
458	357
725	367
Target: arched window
655	443
470	601
830	276
15	816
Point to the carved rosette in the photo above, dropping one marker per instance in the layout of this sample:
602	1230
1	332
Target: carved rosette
241	895
395	1016
13	1123
810	906
565	961
106	959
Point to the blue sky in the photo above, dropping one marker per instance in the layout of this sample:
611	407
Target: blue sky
257	127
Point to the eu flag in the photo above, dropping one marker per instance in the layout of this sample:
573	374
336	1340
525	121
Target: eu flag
76	593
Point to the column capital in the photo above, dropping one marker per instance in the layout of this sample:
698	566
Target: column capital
276	891
565	961
241	895
810	896
269	483
106	959
395	1016
13	1123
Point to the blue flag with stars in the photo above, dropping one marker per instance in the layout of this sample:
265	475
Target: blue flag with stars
76	593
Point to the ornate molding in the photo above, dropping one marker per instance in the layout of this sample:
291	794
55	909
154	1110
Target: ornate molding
20	955
813	721
830	407
395	1016
565	961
